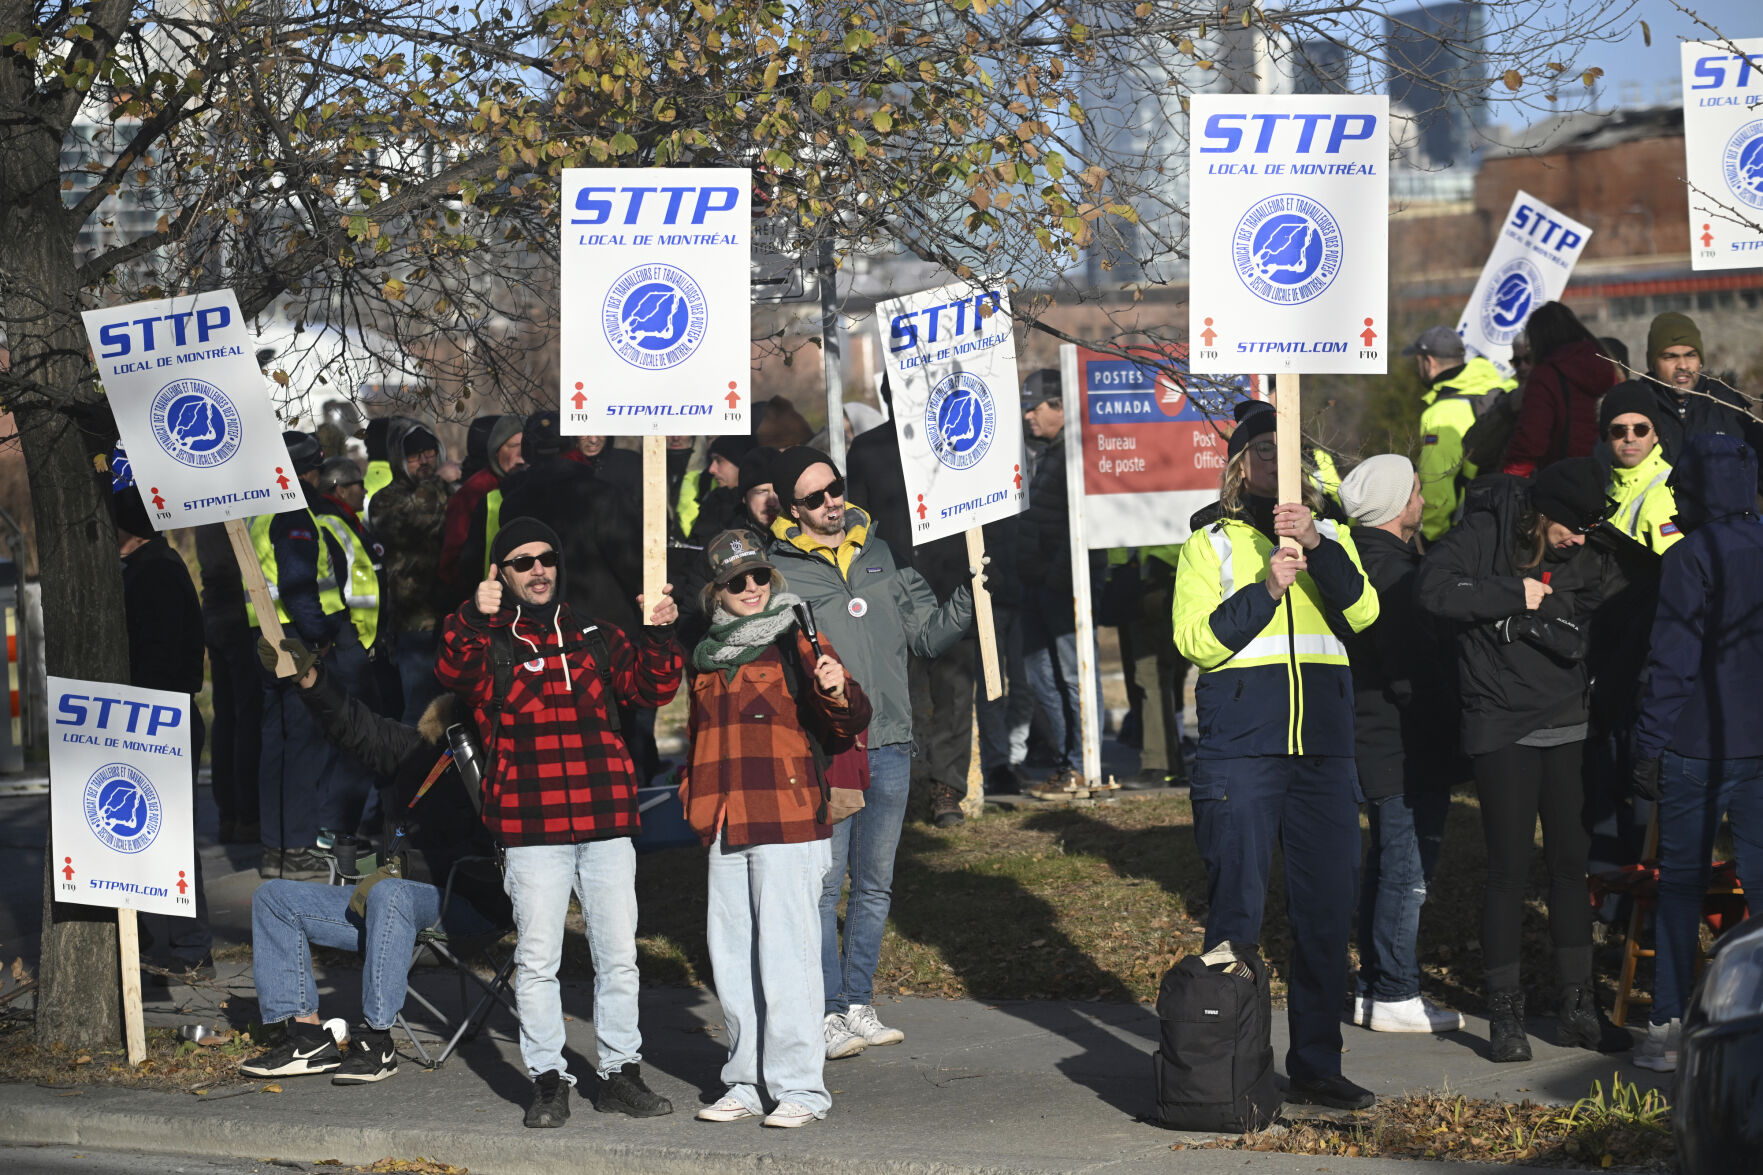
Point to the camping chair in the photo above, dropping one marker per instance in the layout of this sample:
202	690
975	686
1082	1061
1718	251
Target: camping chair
458	952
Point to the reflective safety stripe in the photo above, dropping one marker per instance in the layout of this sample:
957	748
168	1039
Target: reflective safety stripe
330	599
363	592
1631	512
1306	645
1226	574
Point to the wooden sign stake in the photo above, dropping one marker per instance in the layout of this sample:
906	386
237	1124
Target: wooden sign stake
654	522
128	942
982	616
1291	441
268	623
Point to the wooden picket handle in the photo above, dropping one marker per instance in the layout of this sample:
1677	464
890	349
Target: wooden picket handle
982	616
654	522
1291	441
128	944
268	623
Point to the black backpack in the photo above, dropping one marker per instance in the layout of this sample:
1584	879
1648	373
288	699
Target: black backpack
1496	419
1214	1064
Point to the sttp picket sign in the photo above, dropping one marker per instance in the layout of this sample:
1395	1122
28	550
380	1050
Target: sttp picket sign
1288	235
1529	264
950	356
119	797
1723	149
656	276
192	409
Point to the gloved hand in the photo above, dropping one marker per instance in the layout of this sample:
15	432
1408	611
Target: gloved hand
304	658
1645	774
1562	638
978	574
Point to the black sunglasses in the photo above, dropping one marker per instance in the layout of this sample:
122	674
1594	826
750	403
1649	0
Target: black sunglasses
1619	431
761	576
524	563
814	501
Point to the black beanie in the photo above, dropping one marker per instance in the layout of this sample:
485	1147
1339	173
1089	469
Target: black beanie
788	469
1571	492
304	451
1254	418
420	440
543	435
129	513
732	447
518	532
756	468
1633	396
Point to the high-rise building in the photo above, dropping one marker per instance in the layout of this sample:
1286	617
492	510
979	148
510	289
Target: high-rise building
1438	78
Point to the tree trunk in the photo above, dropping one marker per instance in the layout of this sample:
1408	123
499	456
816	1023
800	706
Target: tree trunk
61	423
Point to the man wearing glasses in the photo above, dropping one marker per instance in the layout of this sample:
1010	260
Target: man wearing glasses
1628	420
560	795
875	609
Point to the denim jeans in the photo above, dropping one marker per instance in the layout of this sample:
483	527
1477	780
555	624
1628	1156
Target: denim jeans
1406	833
1003	724
345	786
289	918
866	843
1694	795
292	758
414	655
1049	662
603	876
764	934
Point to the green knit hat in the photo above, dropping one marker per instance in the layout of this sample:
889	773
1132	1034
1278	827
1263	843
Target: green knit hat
1672	330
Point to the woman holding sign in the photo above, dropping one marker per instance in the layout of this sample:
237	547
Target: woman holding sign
1275	758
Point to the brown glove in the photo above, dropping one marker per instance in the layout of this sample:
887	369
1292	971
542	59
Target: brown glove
304	658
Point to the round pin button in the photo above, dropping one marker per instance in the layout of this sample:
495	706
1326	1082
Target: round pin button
858	608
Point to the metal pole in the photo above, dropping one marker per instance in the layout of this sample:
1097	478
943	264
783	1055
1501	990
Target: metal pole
831	356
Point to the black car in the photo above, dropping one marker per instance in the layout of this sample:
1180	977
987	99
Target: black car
1717	1104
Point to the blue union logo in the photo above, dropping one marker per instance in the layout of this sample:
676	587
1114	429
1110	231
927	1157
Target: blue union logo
122	808
195	423
1742	163
959	420
1287	249
654	316
1512	294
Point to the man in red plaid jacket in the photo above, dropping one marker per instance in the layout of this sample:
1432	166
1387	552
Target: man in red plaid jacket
560	795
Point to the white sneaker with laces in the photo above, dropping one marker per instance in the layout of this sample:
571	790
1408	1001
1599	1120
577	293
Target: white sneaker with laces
1658	1049
840	1040
728	1109
1361	1008
861	1019
790	1115
1417	1014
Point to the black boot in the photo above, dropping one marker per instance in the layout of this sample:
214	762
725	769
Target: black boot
1581	1023
625	1092
1506	1039
550	1104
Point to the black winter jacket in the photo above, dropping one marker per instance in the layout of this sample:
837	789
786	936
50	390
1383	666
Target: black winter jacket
1709	407
444	826
1518	671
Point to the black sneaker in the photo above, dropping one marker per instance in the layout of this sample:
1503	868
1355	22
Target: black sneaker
550	1106
307	1049
625	1093
1001	781
371	1058
1335	1092
295	865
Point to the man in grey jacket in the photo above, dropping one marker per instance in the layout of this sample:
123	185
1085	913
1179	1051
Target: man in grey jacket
875	610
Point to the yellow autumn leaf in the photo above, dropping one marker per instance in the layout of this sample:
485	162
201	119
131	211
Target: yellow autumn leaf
1512	78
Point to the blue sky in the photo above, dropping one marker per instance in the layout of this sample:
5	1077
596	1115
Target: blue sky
1632	62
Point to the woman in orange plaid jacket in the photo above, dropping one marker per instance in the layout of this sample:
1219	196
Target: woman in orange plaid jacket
767	703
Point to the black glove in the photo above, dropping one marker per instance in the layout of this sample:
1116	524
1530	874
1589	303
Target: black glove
304	658
1645	774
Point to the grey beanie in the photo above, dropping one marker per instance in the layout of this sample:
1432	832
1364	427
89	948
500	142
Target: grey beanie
1378	488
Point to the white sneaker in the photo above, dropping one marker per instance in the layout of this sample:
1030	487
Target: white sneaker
1417	1014
840	1041
861	1020
1361	1008
1658	1049
790	1115
728	1109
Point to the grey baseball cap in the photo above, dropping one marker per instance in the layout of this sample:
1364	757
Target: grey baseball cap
1441	341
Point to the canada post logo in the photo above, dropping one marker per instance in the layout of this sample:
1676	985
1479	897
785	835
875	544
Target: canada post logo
959	420
195	423
1287	249
122	808
1742	163
1122	392
655	316
1512	294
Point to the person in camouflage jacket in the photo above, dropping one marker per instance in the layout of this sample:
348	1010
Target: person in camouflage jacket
407	516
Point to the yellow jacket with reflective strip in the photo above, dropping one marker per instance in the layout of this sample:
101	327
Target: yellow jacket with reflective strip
1646	509
1273	674
1450	411
362	574
330	599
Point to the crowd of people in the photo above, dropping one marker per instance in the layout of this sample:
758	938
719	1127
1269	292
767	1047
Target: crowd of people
475	677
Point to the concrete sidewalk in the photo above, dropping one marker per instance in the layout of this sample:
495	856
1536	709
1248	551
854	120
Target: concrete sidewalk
978	1087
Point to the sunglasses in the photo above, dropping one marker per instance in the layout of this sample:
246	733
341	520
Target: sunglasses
814	501
524	563
761	576
1619	431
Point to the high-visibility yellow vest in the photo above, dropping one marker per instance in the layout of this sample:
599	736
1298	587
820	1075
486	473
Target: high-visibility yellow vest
330	599
1646	509
685	507
1449	414
378	477
492	523
363	578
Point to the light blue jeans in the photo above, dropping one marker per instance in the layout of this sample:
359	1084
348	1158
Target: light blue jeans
603	876
764	933
865	843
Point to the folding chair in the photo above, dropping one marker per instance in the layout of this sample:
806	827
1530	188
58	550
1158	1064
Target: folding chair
456	951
